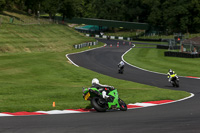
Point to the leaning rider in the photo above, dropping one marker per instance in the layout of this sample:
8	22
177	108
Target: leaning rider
171	74
105	89
121	65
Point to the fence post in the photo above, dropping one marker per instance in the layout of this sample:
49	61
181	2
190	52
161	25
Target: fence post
11	20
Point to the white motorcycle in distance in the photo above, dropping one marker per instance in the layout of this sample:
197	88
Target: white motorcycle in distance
121	67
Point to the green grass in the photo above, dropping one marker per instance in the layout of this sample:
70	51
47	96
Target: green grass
38	38
144	45
154	60
34	71
33	81
21	18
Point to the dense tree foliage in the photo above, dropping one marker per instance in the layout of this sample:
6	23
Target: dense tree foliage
2	4
171	15
68	8
51	7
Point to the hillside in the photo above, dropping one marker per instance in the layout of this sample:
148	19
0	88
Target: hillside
20	36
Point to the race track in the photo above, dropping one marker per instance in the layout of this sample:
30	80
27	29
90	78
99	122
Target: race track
179	117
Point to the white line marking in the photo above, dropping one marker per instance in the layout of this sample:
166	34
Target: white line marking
71	60
148	105
58	112
78	53
144	104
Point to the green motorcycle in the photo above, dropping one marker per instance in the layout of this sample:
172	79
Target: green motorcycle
100	104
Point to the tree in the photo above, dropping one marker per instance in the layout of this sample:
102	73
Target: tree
176	15
155	14
34	5
86	9
2	5
68	8
51	7
194	17
132	10
108	9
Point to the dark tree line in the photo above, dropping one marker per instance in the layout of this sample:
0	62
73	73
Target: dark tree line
171	15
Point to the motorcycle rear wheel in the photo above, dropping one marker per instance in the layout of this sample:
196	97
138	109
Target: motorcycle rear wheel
99	104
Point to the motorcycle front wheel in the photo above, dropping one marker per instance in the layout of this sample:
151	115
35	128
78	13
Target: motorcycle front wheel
123	106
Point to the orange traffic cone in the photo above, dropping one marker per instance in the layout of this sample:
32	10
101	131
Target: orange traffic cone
54	104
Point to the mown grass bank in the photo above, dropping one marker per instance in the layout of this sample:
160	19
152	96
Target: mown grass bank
154	60
38	38
34	71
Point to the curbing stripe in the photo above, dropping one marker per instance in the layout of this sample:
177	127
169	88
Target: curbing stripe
159	102
23	113
58	112
192	77
144	104
2	114
70	111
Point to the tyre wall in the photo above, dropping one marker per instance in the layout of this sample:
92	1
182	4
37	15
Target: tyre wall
182	54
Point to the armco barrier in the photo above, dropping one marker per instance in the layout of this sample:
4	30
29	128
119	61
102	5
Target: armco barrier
77	46
182	54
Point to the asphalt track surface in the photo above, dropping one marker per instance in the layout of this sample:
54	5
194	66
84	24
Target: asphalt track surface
179	117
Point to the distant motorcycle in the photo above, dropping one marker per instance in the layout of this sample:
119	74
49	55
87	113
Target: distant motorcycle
175	81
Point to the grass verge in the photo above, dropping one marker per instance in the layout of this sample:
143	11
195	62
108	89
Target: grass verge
154	60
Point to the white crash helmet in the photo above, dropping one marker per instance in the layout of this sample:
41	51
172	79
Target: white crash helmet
170	70
95	81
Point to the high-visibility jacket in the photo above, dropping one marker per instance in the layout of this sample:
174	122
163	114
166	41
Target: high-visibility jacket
171	74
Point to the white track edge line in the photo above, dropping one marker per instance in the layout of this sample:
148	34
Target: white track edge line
191	95
122	57
71	60
79	52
